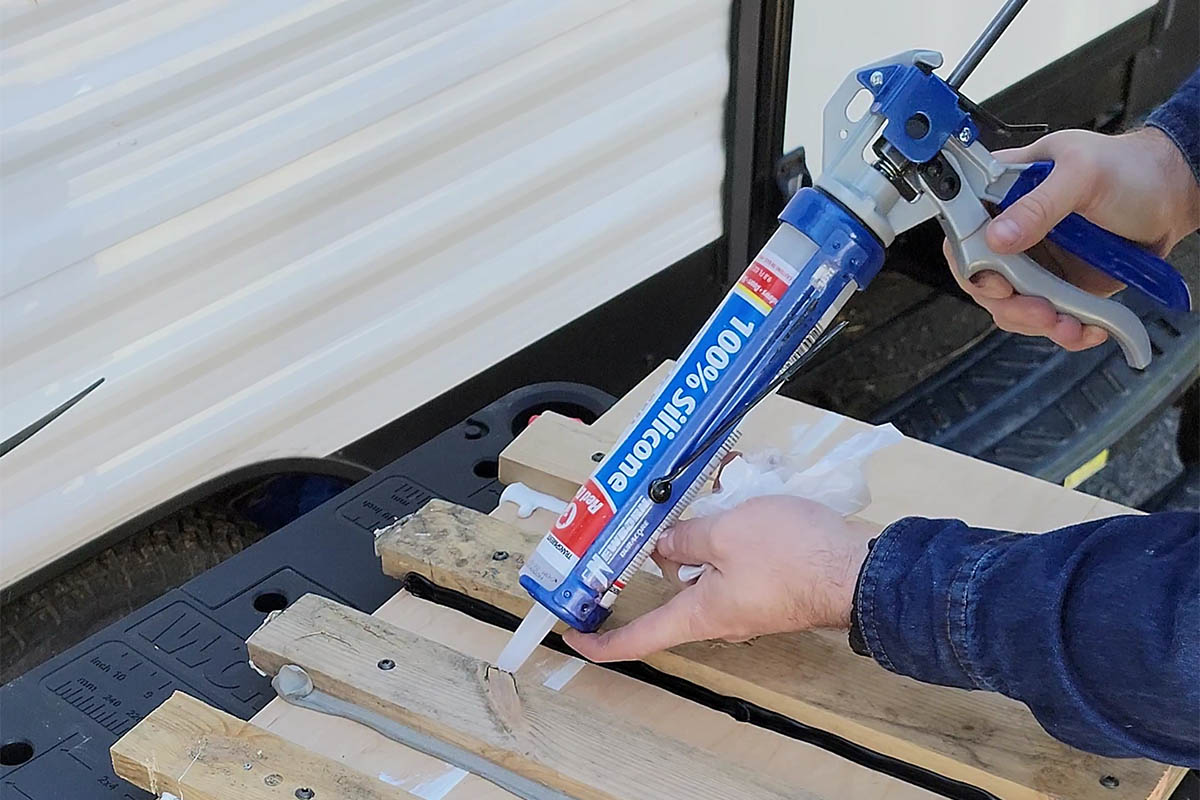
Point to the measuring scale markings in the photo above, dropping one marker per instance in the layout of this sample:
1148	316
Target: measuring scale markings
96	685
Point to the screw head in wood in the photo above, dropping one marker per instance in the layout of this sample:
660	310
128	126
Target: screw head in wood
1110	781
304	793
386	664
500	555
597	457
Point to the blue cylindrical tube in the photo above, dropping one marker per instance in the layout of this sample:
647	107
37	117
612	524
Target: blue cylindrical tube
818	257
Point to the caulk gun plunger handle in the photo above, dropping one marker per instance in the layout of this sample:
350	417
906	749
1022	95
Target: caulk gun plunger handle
972	255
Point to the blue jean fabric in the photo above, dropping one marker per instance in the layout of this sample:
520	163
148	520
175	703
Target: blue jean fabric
1179	118
1095	627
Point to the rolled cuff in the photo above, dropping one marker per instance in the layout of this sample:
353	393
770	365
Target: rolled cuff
915	598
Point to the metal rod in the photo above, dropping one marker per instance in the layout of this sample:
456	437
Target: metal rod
32	428
984	43
736	416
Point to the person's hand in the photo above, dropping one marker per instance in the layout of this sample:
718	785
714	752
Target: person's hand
1136	185
776	564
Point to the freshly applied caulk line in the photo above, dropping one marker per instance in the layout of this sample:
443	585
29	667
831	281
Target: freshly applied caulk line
439	787
270	616
294	685
529	500
818	432
561	676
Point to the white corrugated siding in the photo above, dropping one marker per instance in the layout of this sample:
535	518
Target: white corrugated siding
273	226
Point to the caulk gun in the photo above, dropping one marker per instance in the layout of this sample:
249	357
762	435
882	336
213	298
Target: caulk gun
913	155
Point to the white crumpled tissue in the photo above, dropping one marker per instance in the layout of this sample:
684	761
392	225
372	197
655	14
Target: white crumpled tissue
835	480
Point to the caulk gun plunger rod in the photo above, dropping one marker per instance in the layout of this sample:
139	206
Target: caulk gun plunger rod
984	43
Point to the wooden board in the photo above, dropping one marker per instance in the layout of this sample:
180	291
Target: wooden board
196	752
527	728
980	738
554	455
796	763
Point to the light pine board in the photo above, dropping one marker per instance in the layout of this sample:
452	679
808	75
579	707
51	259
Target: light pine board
554	455
980	738
556	739
195	752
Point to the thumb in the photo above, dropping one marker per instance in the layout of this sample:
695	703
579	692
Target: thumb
1027	221
691	541
666	626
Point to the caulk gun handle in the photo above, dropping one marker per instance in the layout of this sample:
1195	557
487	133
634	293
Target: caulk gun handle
1113	255
972	255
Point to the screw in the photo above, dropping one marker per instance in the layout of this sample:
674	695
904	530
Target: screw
877	79
1110	782
247	765
500	555
597	457
386	664
964	135
274	779
305	793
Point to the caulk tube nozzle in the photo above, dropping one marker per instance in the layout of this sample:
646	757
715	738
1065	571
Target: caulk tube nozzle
530	633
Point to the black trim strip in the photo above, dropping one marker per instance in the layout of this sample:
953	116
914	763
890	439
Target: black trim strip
760	42
22	435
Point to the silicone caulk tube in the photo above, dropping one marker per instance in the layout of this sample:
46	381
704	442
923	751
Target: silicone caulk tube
778	306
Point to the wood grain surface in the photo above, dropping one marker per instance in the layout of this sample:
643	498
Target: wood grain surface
534	731
196	752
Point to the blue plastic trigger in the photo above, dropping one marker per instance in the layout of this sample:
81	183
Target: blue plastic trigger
1113	255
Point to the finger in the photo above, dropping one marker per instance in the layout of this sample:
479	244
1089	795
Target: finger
1071	334
1027	221
670	624
990	285
1067	332
1034	316
1031	316
984	284
1094	335
691	541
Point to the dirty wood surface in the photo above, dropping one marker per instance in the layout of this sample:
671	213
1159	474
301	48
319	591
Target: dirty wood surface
553	738
798	764
195	752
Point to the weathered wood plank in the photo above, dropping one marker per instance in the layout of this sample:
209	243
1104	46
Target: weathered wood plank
979	738
794	762
524	727
195	752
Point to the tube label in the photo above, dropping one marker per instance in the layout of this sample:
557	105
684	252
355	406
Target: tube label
621	476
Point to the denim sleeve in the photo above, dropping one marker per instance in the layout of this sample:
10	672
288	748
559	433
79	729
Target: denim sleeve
1095	627
1179	119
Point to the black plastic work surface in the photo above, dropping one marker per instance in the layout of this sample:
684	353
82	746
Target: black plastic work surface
72	708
